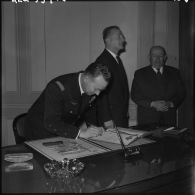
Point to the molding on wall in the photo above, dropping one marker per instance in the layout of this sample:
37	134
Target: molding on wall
23	38
145	31
6	41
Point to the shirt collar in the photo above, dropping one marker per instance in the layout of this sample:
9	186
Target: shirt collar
155	69
113	54
81	90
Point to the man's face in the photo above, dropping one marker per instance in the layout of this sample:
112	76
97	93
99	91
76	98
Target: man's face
116	40
157	57
95	85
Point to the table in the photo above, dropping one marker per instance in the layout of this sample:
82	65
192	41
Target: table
164	166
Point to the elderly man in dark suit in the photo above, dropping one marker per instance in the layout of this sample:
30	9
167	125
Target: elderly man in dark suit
158	90
113	103
61	107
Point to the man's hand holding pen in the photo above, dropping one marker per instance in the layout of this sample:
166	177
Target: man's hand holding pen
109	125
91	131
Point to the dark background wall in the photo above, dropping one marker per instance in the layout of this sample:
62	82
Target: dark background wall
186	61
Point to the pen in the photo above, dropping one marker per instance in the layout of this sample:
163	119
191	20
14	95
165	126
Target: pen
182	130
78	134
168	129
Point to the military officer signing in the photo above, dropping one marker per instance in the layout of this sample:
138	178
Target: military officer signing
61	107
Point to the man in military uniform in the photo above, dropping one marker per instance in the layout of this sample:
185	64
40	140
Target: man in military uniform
61	107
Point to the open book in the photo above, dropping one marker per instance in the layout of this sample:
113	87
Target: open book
58	148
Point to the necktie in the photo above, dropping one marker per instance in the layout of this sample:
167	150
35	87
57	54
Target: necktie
158	73
119	60
122	72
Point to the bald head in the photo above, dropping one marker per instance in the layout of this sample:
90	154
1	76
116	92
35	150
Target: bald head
158	47
157	56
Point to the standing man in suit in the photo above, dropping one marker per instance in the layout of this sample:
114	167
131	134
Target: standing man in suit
158	90
61	107
113	103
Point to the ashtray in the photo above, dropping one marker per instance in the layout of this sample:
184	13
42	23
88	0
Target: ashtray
64	169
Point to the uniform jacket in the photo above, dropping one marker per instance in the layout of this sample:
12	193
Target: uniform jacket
59	109
113	102
146	87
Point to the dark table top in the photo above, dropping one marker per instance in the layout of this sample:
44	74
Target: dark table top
104	172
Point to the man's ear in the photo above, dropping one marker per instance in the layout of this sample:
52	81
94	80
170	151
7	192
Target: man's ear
87	79
107	41
165	58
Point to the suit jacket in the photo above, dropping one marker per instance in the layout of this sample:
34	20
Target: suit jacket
59	109
146	87
113	102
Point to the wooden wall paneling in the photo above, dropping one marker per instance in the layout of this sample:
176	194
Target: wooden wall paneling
9	48
145	31
160	23
37	68
15	103
186	62
173	34
67	38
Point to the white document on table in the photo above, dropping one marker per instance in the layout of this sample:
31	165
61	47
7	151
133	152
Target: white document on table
128	136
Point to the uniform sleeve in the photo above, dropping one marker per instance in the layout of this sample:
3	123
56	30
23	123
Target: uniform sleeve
103	110
136	92
53	112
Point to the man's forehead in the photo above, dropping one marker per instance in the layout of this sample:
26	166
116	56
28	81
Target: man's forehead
115	31
157	50
99	78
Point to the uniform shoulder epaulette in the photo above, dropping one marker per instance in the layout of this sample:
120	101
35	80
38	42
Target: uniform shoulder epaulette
60	85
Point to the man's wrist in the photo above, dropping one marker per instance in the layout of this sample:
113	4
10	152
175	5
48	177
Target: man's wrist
108	124
151	104
171	105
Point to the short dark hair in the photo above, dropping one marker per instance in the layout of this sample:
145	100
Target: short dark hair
95	69
106	32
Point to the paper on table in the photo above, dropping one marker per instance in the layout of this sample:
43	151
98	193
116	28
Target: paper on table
128	136
58	148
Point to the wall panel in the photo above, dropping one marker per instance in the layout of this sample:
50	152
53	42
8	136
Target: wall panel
173	34
67	38
9	47
145	31
160	23
37	47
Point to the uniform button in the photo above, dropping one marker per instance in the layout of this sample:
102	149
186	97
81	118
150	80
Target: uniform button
71	111
55	130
